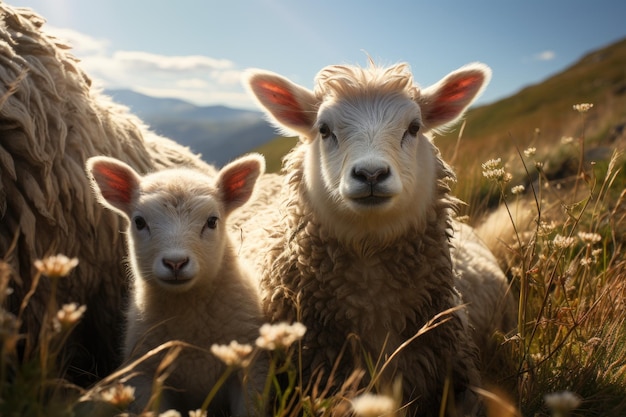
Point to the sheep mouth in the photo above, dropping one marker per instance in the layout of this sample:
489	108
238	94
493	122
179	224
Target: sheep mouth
372	200
175	280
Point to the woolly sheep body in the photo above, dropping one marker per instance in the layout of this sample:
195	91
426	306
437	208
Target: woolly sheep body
189	284
51	121
361	251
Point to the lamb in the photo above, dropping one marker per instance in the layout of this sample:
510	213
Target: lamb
360	248
188	282
51	121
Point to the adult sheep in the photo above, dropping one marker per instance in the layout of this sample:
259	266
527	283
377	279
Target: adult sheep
51	121
362	246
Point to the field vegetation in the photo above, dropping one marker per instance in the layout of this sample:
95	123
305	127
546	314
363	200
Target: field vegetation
543	176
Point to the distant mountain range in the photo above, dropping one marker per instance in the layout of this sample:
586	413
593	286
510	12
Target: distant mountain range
219	133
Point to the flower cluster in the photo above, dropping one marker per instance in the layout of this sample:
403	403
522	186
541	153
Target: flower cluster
56	266
493	170
589	238
582	107
562	403
280	335
69	315
563	242
233	354
372	405
119	395
530	152
518	189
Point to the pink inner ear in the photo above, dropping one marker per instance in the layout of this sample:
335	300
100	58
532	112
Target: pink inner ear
458	91
236	182
283	103
118	185
454	97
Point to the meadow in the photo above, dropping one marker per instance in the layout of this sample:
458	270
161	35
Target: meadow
543	176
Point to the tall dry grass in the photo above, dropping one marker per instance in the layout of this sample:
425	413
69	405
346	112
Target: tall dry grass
563	253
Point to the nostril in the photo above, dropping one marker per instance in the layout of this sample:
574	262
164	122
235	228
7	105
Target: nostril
370	176
175	265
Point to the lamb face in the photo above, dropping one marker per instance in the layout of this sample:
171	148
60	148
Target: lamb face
176	234
370	171
177	237
368	165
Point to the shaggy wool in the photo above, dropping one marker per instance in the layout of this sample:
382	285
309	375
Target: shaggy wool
52	120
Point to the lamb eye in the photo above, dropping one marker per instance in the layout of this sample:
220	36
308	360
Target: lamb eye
414	127
211	222
140	222
325	131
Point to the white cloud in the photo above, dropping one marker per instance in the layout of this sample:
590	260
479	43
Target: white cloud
80	43
545	56
153	62
199	79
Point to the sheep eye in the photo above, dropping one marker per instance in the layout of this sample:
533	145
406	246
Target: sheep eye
414	127
140	222
211	222
325	131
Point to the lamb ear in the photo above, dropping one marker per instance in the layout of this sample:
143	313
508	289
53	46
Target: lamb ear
114	182
446	101
237	179
290	107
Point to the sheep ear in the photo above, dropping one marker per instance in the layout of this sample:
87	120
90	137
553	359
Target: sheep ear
446	101
290	107
114	182
237	179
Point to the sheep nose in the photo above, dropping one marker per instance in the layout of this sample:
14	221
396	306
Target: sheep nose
175	265
370	176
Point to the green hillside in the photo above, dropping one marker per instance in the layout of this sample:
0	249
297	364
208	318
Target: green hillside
542	114
275	150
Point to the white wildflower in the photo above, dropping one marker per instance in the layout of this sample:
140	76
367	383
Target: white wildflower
563	242
492	164
234	354
585	262
69	315
546	228
372	405
197	413
589	238
582	107
530	151
170	413
518	189
56	266
119	395
566	140
493	170
561	403
280	335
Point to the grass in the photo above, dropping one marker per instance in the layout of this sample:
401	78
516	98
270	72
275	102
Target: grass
561	245
565	264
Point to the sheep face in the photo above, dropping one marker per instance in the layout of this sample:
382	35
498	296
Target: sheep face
177	233
369	168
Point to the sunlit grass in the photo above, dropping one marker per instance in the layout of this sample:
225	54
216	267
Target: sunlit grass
563	254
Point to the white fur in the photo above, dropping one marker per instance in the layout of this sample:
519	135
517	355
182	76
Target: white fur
362	247
189	284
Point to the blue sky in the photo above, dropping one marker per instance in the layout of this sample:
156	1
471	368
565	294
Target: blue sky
196	50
